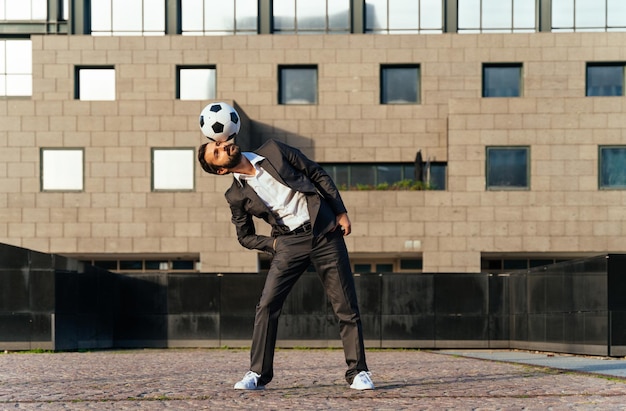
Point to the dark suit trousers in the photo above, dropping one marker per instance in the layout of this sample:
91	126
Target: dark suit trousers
294	254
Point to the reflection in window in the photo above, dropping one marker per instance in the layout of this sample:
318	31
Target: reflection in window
411	264
172	169
502	80
95	84
127	17
61	169
399	84
496	16
23	10
612	163
588	15
403	16
210	17
605	79
196	83
398	176
166	263
16	65
311	16
298	85
507	168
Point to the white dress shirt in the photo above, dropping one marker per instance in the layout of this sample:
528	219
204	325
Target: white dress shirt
289	206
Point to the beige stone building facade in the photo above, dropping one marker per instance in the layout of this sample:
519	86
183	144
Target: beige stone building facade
564	212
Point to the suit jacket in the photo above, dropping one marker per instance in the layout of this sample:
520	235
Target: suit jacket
293	169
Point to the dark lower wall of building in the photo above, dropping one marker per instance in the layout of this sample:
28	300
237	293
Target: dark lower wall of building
51	302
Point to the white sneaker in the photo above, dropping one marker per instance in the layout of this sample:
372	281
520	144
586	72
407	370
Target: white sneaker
250	381
362	381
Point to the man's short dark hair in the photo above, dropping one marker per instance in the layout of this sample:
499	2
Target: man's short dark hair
203	163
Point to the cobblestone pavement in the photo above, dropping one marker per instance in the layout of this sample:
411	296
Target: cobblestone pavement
193	379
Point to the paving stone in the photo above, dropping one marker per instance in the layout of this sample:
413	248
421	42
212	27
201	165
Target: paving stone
194	379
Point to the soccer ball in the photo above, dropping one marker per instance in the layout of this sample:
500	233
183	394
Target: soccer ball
219	122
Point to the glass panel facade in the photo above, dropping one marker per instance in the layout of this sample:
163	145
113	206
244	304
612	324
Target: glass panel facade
399	85
61	169
496	16
403	16
502	80
298	85
208	17
605	79
16	68
127	17
612	165
507	168
23	10
196	83
588	15
173	169
311	16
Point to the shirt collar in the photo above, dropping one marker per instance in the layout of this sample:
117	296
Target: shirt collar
254	158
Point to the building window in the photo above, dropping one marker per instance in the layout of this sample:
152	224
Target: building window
62	169
297	85
392	176
496	16
65	11
508	168
498	265
403	16
311	16
605	79
588	15
165	263
612	164
95	83
502	80
172	169
411	264
127	17
23	10
196	83
208	17
16	65
400	84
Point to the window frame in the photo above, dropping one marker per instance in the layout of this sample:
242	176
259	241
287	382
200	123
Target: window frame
77	82
387	68
520	78
154	174
499	187
74	173
342	174
595	64
602	185
179	81
282	97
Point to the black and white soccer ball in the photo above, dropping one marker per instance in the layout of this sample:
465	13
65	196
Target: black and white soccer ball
219	122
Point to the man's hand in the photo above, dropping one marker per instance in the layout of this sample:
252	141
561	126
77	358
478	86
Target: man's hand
343	221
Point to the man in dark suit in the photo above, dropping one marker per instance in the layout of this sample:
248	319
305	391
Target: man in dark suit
293	194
